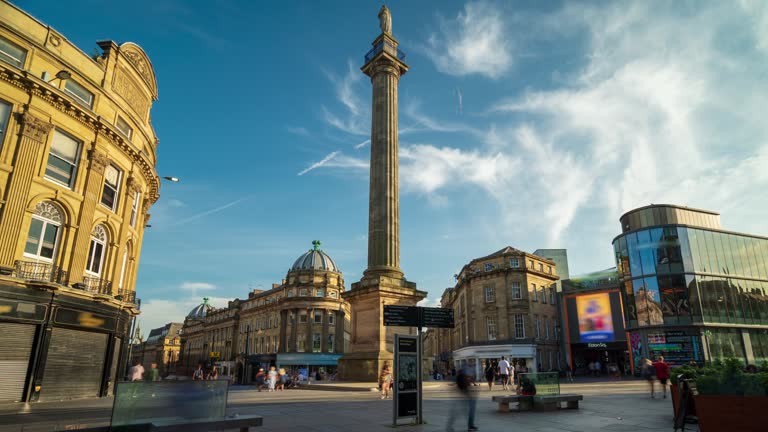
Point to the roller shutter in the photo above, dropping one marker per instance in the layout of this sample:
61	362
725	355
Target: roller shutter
15	347
74	366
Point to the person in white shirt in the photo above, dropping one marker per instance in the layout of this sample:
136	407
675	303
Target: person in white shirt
137	372
504	368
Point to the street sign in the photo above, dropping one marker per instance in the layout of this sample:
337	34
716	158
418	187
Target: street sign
215	354
436	317
405	316
407	392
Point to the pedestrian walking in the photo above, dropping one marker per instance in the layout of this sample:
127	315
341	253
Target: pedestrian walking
137	372
598	368
261	379
272	378
213	374
281	379
385	380
662	374
504	368
467	399
649	373
198	374
154	373
490	374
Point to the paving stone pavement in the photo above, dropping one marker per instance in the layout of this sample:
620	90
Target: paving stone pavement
609	407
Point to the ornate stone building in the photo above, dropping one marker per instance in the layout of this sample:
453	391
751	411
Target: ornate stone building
300	322
161	347
77	177
505	304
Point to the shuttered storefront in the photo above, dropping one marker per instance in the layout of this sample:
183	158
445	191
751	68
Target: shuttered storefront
15	347
74	365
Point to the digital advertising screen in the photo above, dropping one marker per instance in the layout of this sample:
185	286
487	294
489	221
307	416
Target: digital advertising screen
595	322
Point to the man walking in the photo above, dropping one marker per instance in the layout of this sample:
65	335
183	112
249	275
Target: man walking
154	373
198	374
137	371
662	374
464	382
504	368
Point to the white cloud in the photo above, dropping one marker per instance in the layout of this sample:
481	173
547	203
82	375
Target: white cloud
429	302
356	118
209	212
175	203
194	286
298	130
362	144
475	42
158	312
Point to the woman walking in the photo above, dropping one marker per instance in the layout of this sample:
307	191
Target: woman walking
272	378
649	373
385	380
281	378
490	374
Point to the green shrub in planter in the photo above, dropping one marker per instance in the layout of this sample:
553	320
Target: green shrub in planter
728	378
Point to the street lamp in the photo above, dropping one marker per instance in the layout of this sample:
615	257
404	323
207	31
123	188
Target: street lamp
171	179
60	75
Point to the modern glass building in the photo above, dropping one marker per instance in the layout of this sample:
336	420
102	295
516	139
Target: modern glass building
692	291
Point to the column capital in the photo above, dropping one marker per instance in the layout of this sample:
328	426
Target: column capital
99	160
34	128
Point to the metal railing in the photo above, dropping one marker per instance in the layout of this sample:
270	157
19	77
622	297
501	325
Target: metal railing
127	296
39	271
95	285
384	46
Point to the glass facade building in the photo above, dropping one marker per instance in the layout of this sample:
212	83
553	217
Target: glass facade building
692	291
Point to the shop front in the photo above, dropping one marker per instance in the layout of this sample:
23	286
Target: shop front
310	365
609	354
678	346
475	357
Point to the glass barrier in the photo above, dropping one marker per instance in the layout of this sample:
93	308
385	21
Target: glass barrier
141	402
541	383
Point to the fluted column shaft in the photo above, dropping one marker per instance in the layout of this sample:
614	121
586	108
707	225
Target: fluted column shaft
283	344
34	134
384	203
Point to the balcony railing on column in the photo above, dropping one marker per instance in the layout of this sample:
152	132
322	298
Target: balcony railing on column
127	296
384	46
95	285
40	271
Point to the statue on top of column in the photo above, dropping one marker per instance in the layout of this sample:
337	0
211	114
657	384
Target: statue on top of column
385	20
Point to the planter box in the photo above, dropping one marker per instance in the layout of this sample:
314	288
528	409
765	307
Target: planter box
731	413
675	395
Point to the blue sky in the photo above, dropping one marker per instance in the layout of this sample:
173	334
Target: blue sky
530	124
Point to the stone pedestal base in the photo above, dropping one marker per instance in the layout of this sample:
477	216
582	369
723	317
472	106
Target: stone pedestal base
372	343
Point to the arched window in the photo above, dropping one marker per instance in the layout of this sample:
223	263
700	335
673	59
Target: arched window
44	232
96	251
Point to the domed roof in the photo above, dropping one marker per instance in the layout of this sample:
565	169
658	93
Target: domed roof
200	311
315	259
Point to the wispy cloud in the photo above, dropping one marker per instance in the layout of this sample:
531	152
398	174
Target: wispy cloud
300	131
460	97
209	212
194	286
475	42
362	144
175	203
355	119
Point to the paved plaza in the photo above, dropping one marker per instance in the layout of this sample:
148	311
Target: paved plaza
622	406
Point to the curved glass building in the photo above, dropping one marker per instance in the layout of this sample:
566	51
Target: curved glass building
691	290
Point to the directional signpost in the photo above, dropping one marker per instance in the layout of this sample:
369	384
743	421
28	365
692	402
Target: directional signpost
408	354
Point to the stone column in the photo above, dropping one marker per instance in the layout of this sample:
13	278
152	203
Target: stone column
33	136
92	193
310	333
324	333
132	187
283	330
294	331
339	343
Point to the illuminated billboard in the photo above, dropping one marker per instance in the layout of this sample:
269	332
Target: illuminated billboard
594	312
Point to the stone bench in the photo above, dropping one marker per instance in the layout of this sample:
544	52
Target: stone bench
242	423
527	403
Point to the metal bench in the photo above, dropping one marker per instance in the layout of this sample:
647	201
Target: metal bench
528	403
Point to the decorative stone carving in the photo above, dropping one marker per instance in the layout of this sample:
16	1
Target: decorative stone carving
100	233
137	60
49	210
34	128
385	20
99	161
54	40
133	185
124	86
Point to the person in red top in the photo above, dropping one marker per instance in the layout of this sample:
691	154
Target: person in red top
662	373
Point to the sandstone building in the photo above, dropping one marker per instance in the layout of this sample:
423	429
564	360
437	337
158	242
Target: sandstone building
77	178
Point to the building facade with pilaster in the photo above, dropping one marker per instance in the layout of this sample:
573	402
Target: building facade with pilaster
77	178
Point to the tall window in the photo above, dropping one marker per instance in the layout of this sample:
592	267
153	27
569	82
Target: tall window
546	328
135	212
303	317
316	342
5	114
331	339
124	127
318	317
488	267
301	342
533	292
320	292
490	294
530	264
490	325
514	262
517	291
519	326
552	295
111	187
543	295
63	160
555	329
549	269
79	92
11	53
331	318
541	267
537	326
43	233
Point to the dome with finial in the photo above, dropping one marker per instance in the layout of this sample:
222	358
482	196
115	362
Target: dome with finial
315	259
200	311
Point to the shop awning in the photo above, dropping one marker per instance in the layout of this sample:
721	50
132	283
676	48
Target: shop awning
312	359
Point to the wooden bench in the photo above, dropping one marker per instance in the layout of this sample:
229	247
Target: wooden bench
243	423
527	403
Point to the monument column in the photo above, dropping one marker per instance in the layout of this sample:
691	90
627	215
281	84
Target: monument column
383	282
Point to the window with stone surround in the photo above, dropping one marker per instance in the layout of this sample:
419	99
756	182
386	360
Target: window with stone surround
316	338
124	127
488	267
5	115
63	159
110	193
318	317
530	264
549	269
301	341
43	235
532	293
546	328
12	53
78	92
517	291
537	326
321	292
96	251
331	319
514	262
135	208
543	295
490	325
552	295
331	339
490	294
519	326
303	317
